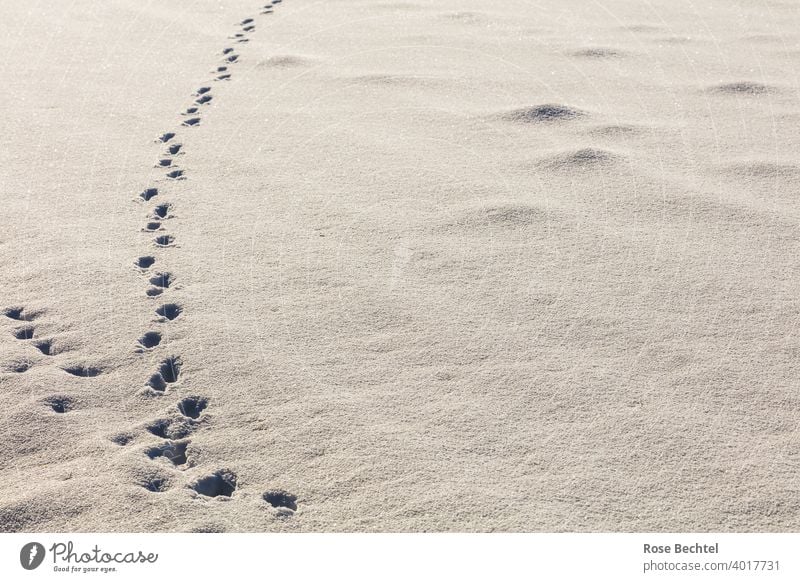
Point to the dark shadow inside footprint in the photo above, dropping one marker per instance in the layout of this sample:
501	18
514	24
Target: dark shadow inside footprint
60	404
121	439
232	58
281	499
154	292
166	137
148	193
151	226
248	28
169	310
224	77
174	451
174	148
164	240
150	340
246	21
170	369
216	484
191	110
156	382
171	429
19	367
222	69
16	313
83	371
192	406
202	90
161	280
165	162
203	99
156	484
160	428
162	210
177	174
46	347
24	333
145	262
226	51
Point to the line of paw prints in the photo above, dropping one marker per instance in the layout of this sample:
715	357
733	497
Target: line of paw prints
173	429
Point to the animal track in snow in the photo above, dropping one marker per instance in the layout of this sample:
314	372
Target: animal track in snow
148	193
24	333
121	439
14	313
280	499
218	483
162	280
175	452
46	347
192	406
156	484
178	424
170	369
60	404
164	240
162	210
83	371
19	314
169	311
145	262
168	373
171	428
20	367
149	340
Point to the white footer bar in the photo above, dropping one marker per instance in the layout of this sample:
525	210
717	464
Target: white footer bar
372	557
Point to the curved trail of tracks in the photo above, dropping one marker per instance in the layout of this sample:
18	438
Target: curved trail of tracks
174	429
